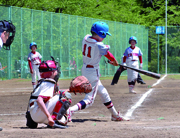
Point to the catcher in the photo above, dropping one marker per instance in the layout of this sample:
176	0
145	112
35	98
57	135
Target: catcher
46	105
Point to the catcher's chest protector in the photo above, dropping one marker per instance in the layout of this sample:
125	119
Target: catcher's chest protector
35	92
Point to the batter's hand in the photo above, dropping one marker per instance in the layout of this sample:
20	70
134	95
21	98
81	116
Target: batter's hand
114	63
141	65
50	121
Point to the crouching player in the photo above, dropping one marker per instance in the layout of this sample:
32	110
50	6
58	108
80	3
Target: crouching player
46	106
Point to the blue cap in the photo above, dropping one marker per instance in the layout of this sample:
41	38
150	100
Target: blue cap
32	44
101	29
132	38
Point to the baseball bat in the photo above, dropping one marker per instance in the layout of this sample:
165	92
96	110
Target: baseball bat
145	72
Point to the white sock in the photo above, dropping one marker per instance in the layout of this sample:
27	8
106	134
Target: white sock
74	108
34	86
113	111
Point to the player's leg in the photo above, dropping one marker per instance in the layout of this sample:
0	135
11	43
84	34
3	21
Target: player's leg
38	73
117	75
1	128
33	77
140	80
33	80
53	106
105	98
59	113
132	76
85	103
37	114
93	76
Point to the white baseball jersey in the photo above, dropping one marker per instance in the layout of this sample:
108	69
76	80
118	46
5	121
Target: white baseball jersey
1	43
132	57
34	58
93	51
132	54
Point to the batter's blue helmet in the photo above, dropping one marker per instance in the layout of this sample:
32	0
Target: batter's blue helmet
101	29
32	44
132	38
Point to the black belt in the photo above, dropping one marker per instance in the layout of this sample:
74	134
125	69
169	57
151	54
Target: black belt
31	104
89	66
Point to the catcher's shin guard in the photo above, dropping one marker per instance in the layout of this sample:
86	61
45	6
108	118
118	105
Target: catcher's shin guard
60	109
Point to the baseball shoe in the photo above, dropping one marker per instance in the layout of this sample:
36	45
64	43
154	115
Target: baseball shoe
142	82
69	114
1	128
57	125
131	89
118	118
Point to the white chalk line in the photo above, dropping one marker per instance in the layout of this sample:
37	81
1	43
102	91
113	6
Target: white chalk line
12	114
131	110
24	113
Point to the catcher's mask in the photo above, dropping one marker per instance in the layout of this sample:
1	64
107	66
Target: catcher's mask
8	27
46	67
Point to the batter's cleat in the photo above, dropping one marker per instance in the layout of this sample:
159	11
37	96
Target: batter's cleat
69	114
118	118
131	89
1	128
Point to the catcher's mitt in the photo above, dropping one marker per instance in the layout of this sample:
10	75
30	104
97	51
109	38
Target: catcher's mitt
80	84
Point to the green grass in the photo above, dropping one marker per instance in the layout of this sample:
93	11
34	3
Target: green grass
174	76
23	80
144	77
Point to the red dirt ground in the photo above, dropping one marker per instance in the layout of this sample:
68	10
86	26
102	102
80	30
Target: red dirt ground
157	117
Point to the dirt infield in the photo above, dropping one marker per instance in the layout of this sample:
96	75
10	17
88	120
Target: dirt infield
157	117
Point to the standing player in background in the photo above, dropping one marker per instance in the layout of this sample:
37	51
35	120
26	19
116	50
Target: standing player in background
118	74
131	56
93	49
5	39
34	59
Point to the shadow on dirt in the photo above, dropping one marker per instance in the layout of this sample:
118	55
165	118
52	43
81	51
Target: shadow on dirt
84	120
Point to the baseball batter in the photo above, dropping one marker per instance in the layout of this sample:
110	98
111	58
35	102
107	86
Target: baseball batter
93	49
131	56
45	106
34	59
5	39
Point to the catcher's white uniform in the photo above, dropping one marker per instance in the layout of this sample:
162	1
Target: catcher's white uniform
35	61
132	58
45	90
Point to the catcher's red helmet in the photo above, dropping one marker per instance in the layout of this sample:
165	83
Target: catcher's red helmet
46	68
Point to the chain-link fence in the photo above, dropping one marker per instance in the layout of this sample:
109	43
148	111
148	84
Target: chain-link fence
157	51
60	35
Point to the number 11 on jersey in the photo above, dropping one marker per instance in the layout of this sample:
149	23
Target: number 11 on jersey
89	51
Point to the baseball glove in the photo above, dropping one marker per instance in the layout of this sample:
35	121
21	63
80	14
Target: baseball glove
80	84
